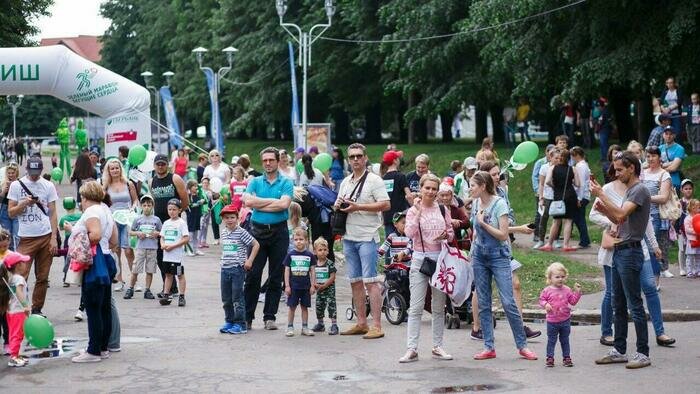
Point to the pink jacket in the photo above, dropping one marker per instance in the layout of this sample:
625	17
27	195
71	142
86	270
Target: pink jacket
559	298
432	224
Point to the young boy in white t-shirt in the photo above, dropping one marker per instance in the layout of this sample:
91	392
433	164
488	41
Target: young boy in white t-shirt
174	235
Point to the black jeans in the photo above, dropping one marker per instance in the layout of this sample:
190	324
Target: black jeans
214	228
273	249
627	293
580	223
99	316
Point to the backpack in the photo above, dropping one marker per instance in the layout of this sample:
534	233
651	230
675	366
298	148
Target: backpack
324	198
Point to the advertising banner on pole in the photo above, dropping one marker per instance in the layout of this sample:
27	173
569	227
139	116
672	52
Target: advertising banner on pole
59	72
319	135
171	117
217	135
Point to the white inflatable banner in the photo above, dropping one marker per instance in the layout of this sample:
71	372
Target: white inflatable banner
57	71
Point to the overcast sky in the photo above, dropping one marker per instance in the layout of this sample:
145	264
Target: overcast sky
71	18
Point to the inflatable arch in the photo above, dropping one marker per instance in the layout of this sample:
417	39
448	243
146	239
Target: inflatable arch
57	71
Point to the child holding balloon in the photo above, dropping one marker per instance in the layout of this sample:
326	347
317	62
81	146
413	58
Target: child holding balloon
14	303
692	248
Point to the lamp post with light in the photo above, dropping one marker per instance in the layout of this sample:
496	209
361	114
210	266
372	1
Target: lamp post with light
305	40
214	92
14	105
147	75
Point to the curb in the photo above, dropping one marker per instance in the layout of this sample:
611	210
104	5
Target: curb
592	316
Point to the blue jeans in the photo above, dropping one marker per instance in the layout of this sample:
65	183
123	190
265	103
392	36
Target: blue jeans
494	263
361	261
603	135
232	280
9	224
580	223
560	330
97	300
650	294
626	293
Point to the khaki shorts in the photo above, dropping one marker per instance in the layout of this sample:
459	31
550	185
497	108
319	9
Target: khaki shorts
145	258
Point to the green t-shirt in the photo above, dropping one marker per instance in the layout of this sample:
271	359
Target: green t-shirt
70	218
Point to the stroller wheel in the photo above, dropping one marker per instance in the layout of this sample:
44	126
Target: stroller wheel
349	313
396	309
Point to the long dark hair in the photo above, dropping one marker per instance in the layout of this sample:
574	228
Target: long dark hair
4	290
307	160
341	156
83	167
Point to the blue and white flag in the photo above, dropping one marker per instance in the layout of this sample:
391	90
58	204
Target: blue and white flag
295	101
215	131
171	117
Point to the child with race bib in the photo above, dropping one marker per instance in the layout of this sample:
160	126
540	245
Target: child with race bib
299	281
173	237
325	288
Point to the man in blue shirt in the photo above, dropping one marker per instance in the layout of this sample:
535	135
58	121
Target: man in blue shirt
656	135
672	155
269	196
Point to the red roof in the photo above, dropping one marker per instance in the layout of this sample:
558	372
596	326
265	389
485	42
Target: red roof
88	47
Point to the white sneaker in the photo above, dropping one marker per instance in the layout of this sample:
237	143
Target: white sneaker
557	244
290	332
440	354
667	274
682	273
79	315
409	357
119	286
138	289
190	254
199	253
85	357
306	332
104	355
538	245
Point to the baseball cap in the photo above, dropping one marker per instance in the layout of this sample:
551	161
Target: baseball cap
299	150
161	158
470	163
35	166
175	201
13	258
686	180
229	209
669	129
390	156
234	160
146	197
313	149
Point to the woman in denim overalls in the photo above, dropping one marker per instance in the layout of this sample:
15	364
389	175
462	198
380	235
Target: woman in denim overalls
8	223
490	256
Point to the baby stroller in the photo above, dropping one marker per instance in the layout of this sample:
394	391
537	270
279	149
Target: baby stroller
397	295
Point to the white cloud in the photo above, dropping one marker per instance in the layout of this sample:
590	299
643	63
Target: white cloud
72	18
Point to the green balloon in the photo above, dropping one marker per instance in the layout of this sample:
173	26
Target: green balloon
526	152
57	174
137	155
39	331
224	190
299	167
323	162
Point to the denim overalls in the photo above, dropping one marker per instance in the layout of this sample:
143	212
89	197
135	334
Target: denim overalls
491	259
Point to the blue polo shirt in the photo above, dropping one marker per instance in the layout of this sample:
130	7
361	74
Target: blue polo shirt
261	187
670	153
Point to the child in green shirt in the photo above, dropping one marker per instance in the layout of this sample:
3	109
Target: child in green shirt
71	216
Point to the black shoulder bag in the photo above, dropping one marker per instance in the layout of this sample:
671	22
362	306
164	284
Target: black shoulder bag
428	266
37	203
340	218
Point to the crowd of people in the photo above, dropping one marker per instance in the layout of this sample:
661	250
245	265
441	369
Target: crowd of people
287	217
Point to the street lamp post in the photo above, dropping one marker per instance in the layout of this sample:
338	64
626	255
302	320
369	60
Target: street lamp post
305	40
216	80
14	106
147	75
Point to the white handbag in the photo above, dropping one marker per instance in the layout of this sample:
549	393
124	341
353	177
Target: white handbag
558	208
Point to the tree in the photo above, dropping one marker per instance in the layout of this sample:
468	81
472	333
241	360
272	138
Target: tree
16	19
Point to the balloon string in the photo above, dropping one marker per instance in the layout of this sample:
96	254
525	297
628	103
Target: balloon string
12	292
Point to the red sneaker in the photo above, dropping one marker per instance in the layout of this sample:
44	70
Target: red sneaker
528	354
546	248
485	354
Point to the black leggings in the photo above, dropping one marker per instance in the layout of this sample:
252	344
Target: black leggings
214	227
5	330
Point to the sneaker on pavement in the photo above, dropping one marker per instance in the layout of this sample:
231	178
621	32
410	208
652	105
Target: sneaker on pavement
477	335
114	349
638	361
235	329
166	300
190	254
355	330
373	333
527	354
138	289
85	357
538	245
568	362
319	327
270	325
682	272
556	244
549	362
119	287
333	330
129	293
613	357
148	295
38	312
306	332
485	354
607	341
410	356
440	354
17	362
244	330
225	328
529	333
199	253
290	332
181	300
666	274
79	315
104	355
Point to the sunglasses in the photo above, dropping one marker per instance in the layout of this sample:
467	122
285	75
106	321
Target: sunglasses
355	157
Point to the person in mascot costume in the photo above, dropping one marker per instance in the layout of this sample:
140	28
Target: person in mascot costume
81	136
63	137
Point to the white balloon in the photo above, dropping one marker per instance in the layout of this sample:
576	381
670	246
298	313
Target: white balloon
215	184
147	165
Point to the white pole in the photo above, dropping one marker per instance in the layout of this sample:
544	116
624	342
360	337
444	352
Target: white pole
14	121
160	139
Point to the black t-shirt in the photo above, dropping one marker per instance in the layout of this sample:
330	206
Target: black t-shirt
395	183
413	180
300	264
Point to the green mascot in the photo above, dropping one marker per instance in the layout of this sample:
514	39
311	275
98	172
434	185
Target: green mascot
63	137
81	139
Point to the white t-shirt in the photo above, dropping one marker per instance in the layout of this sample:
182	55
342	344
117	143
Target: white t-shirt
172	232
15	282
290	173
104	215
33	222
362	226
317	180
548	192
223	172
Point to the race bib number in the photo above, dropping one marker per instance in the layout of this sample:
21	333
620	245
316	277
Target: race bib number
300	265
322	275
171	235
389	184
229	248
239	189
147	228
